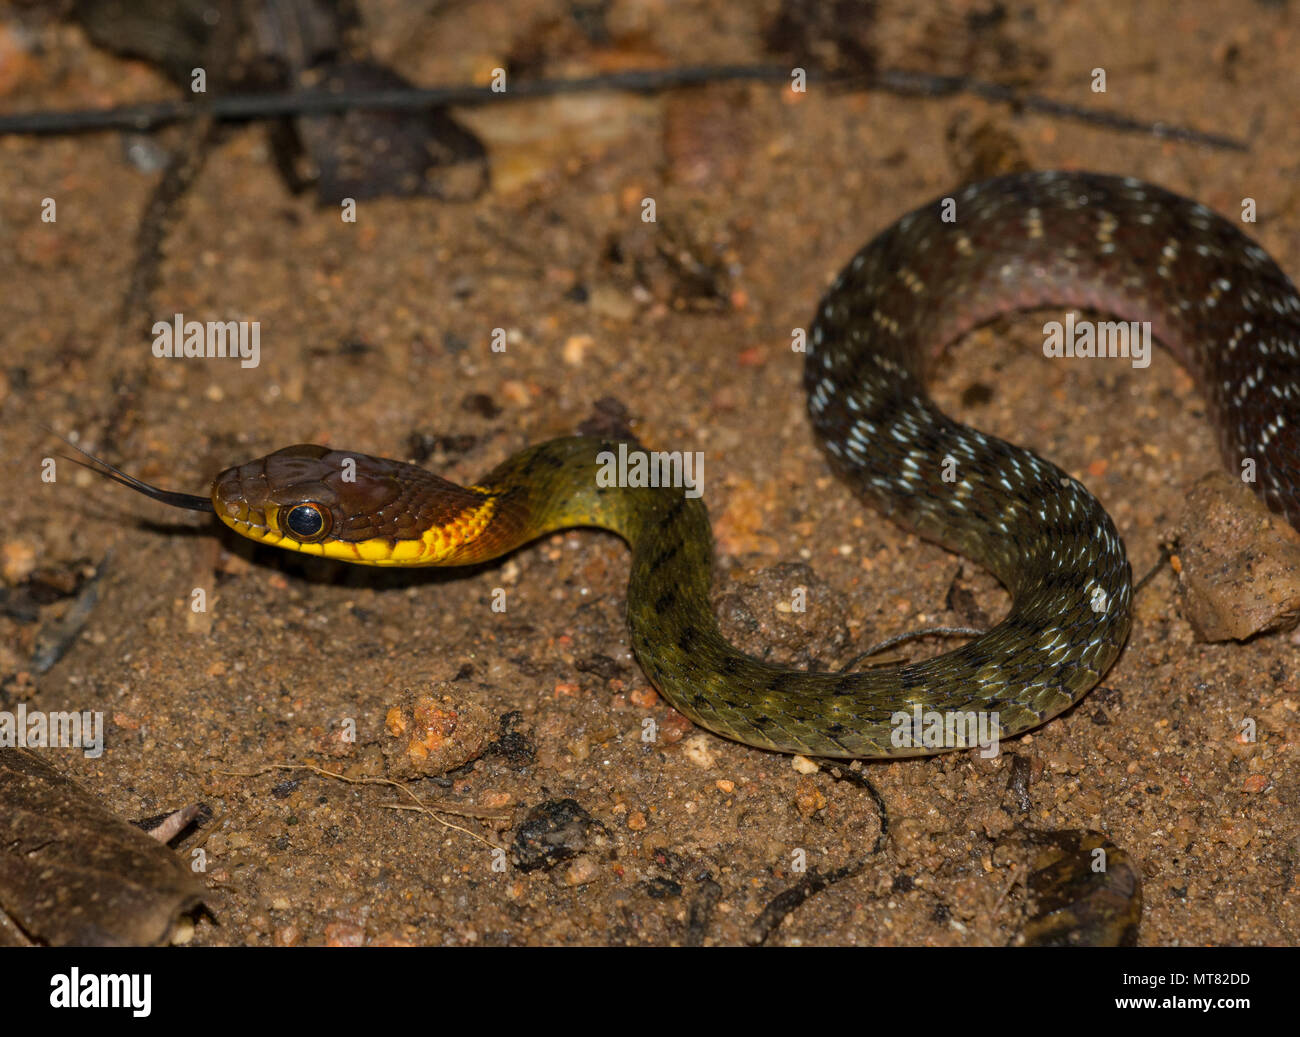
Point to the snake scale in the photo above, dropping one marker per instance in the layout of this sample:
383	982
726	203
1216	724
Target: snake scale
1118	245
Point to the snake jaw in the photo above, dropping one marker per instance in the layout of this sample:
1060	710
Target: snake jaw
242	519
232	501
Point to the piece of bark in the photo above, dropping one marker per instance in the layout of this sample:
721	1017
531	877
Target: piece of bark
1085	891
72	874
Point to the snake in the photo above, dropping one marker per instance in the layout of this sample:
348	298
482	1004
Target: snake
1117	245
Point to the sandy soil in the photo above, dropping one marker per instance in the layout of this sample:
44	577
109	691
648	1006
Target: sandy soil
378	331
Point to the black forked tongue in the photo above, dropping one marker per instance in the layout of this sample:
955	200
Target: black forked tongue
177	500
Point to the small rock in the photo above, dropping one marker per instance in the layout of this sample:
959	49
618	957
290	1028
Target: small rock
581	871
344	934
1239	563
808	798
556	831
1255	783
17	560
575	349
434	733
698	752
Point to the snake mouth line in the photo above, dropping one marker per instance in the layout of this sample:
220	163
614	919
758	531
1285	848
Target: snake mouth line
239	525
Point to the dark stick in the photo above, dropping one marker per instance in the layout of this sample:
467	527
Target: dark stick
260	106
319	102
900	81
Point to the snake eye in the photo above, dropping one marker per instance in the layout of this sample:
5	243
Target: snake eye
308	522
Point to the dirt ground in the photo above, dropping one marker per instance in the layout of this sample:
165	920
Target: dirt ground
379	331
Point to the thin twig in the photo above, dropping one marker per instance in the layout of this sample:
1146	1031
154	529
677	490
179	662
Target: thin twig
1167	551
902	81
419	803
784	903
320	102
186	162
325	102
912	635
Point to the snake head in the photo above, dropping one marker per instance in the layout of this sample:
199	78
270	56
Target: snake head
344	505
349	506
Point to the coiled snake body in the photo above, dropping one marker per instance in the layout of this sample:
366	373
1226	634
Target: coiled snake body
1116	245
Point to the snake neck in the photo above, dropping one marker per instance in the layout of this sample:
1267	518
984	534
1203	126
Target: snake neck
561	484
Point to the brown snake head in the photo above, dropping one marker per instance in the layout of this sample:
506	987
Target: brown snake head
340	504
352	507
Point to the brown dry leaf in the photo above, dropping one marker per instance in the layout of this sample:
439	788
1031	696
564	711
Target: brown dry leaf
1086	891
71	874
